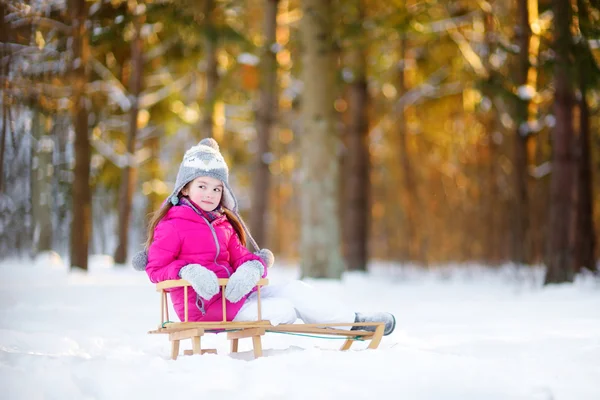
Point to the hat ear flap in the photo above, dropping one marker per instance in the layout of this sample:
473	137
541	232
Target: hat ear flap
229	199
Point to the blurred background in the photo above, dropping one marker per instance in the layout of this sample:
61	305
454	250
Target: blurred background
421	131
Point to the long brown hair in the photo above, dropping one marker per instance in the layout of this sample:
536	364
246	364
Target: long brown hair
237	226
164	209
154	220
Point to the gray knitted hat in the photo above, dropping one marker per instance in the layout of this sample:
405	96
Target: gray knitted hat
204	159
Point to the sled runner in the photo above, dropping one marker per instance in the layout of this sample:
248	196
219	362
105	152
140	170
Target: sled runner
194	331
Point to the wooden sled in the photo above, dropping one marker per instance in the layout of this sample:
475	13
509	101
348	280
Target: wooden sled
194	331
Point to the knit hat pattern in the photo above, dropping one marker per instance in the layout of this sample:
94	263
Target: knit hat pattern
204	159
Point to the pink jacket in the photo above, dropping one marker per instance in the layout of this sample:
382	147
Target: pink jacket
183	237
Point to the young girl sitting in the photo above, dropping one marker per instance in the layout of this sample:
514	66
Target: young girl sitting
198	235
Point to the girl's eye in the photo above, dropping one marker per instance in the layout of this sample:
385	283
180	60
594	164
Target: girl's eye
217	189
201	186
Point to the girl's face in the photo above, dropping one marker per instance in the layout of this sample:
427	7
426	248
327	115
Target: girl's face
205	191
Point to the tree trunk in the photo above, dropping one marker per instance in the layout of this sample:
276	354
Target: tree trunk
41	184
320	232
560	262
81	195
489	119
129	171
585	235
520	226
61	184
3	137
154	171
4	68
411	246
356	173
211	73
267	109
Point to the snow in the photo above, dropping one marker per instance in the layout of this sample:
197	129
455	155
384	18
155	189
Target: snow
526	92
463	333
248	59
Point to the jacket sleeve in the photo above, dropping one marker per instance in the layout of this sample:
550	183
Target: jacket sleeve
162	254
239	254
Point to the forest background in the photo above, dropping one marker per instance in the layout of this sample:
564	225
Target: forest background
422	132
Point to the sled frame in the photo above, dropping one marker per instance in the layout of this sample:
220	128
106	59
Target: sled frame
255	330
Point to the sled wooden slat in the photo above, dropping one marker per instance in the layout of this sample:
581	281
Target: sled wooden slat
246	333
193	334
248	329
175	283
218	325
224	303
166	305
299	328
202	351
258	301
185	303
377	337
163	305
257	346
347	344
186	334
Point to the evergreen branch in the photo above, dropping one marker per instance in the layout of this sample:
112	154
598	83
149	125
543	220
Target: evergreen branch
149	99
41	22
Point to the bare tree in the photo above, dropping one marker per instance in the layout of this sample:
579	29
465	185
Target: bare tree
265	120
4	68
320	230
41	183
409	194
211	73
81	194
356	210
585	235
561	227
520	225
129	171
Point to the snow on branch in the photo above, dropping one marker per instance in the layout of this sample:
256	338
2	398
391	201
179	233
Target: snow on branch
38	68
123	160
447	24
159	50
106	150
149	99
115	94
111	85
469	54
426	90
23	49
539	171
40	22
19	85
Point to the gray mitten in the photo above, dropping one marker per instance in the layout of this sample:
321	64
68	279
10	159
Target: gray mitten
203	280
243	280
140	259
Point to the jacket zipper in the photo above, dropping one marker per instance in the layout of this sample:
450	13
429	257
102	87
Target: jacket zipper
212	230
199	299
201	305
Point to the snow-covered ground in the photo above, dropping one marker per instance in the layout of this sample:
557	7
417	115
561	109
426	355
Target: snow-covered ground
464	333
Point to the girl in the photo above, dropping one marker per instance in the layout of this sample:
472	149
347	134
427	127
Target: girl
198	235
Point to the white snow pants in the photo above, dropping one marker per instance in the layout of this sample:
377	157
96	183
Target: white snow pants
283	304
